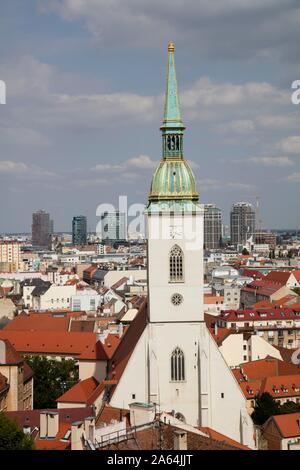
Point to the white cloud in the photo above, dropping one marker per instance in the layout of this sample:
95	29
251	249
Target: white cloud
202	24
8	166
293	178
271	161
290	144
142	162
213	184
24	170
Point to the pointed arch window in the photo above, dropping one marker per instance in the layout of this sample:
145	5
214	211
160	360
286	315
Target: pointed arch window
177	365
176	264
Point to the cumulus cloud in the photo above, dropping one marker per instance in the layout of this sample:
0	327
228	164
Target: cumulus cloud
202	24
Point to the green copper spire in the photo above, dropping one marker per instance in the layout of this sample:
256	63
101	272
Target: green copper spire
172	117
173	180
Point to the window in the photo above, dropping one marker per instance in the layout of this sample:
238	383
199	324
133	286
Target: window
177	365
176	264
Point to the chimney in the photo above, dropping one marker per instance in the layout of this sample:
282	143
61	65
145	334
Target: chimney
180	440
2	352
49	424
89	428
77	432
120	329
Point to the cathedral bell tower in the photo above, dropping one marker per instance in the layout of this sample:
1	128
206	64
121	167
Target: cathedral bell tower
175	223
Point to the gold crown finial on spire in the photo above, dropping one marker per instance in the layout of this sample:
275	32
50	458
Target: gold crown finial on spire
171	46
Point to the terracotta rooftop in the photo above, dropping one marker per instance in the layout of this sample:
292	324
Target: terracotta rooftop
80	392
12	357
220	437
152	437
260	314
31	418
268	367
38	322
288	424
81	345
279	277
108	413
86	326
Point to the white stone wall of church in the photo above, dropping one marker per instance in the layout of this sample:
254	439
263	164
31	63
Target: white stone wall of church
161	308
228	413
133	385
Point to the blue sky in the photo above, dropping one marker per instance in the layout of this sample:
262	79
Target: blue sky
85	83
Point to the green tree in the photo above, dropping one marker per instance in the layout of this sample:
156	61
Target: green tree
245	252
11	436
51	379
289	407
265	406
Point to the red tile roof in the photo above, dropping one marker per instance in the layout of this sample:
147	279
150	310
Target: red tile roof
38	322
282	386
12	357
108	413
278	277
31	418
220	437
268	367
111	343
81	345
288	424
264	314
119	360
80	392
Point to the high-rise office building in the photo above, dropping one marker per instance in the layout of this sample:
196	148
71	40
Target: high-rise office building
42	229
212	226
114	226
79	230
242	222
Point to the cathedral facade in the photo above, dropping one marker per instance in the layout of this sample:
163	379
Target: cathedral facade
171	360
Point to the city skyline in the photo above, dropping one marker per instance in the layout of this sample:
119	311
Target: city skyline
58	129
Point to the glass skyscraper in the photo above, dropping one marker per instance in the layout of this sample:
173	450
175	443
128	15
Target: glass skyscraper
79	230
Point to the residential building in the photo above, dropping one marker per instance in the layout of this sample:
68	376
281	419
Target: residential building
79	230
282	432
86	299
16	380
212	227
10	254
242	223
42	229
52	298
267	238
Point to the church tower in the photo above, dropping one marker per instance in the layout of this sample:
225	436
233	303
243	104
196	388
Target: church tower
175	223
174	361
